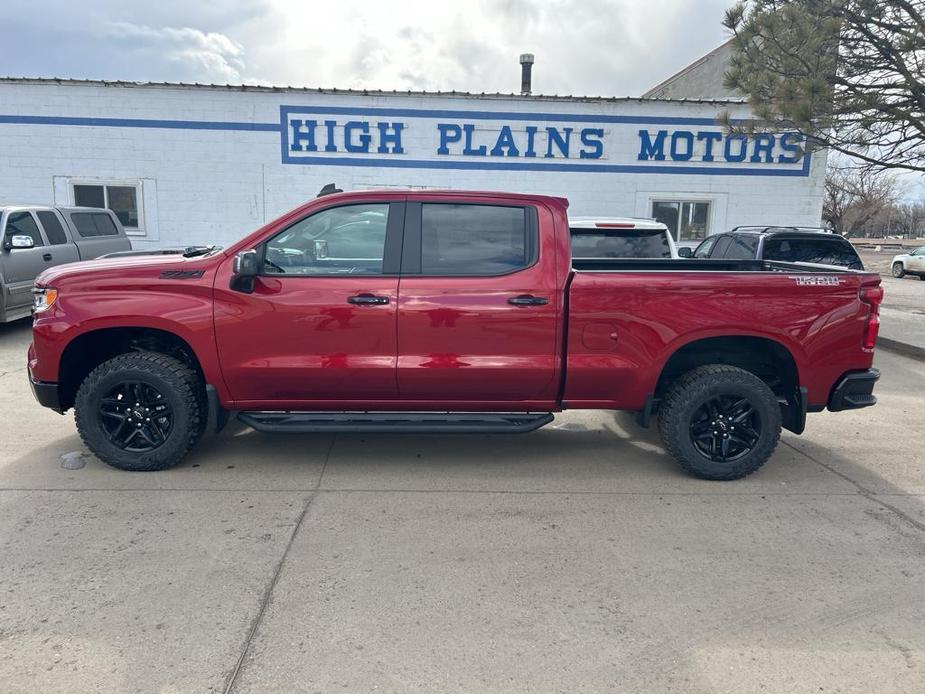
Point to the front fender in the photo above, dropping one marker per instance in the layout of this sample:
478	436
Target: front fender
187	315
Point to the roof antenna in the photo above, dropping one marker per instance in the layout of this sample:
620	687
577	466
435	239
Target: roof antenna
328	189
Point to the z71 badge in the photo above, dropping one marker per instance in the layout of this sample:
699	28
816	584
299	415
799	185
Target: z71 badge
816	280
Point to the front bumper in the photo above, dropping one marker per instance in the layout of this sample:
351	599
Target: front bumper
854	390
46	394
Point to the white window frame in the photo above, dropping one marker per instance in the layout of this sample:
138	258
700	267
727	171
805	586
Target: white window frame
137	184
716	220
681	200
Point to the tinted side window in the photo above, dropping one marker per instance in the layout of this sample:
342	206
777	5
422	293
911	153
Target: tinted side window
619	243
719	250
825	251
91	224
741	248
53	229
336	241
703	250
474	239
22	224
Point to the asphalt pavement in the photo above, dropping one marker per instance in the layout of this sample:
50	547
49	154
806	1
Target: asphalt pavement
576	558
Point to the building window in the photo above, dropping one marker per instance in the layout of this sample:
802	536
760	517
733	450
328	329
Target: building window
687	220
120	198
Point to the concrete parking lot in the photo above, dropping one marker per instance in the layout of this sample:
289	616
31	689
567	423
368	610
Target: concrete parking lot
577	558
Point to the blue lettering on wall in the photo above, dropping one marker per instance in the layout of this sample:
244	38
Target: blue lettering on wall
364	139
790	143
764	146
704	145
553	137
591	137
303	135
652	150
505	141
743	148
449	132
469	130
709	138
531	139
462	139
331	145
682	145
386	138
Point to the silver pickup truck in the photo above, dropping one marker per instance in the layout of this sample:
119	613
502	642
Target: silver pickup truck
36	238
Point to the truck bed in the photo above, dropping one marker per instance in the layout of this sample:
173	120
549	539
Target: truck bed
627	317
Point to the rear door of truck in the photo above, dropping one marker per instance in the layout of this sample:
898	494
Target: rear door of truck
61	247
479	309
96	232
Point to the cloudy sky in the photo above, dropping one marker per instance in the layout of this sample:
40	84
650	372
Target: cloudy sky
582	47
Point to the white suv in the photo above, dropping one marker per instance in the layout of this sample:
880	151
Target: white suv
912	263
620	237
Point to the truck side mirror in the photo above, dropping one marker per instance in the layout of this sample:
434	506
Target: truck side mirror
685	252
18	241
245	269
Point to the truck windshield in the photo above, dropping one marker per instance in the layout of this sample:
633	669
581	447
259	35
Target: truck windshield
620	243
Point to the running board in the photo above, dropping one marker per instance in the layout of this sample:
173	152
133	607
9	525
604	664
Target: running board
398	422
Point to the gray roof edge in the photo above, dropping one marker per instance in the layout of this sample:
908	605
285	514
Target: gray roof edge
44	81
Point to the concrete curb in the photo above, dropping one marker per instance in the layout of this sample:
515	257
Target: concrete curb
907	350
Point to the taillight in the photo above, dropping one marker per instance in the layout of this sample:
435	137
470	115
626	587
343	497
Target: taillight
615	225
872	295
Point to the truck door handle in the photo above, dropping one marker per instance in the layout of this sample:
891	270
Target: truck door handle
46	256
528	300
364	299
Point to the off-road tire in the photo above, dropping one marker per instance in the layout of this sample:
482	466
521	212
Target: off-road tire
690	392
898	271
180	385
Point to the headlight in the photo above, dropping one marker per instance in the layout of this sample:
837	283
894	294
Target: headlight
43	298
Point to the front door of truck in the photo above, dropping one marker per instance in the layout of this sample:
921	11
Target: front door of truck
20	266
320	324
478	309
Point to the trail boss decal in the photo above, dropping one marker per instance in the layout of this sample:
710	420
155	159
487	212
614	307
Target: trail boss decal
816	280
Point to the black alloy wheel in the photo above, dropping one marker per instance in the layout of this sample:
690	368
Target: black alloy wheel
135	417
720	422
725	428
141	410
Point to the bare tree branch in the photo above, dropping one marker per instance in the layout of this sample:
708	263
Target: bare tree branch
847	74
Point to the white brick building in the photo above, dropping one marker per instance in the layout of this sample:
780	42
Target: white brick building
189	164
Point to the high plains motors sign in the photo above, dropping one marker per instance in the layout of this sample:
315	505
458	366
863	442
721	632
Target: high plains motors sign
423	138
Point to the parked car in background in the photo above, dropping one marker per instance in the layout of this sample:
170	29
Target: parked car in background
784	244
620	237
36	238
909	264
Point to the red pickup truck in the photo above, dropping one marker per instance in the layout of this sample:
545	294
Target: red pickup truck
445	311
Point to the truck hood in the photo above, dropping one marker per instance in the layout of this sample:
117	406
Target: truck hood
155	264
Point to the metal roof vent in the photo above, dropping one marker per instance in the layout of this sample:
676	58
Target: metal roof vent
526	74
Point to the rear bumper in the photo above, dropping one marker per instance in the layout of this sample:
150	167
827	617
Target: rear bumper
46	394
854	390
